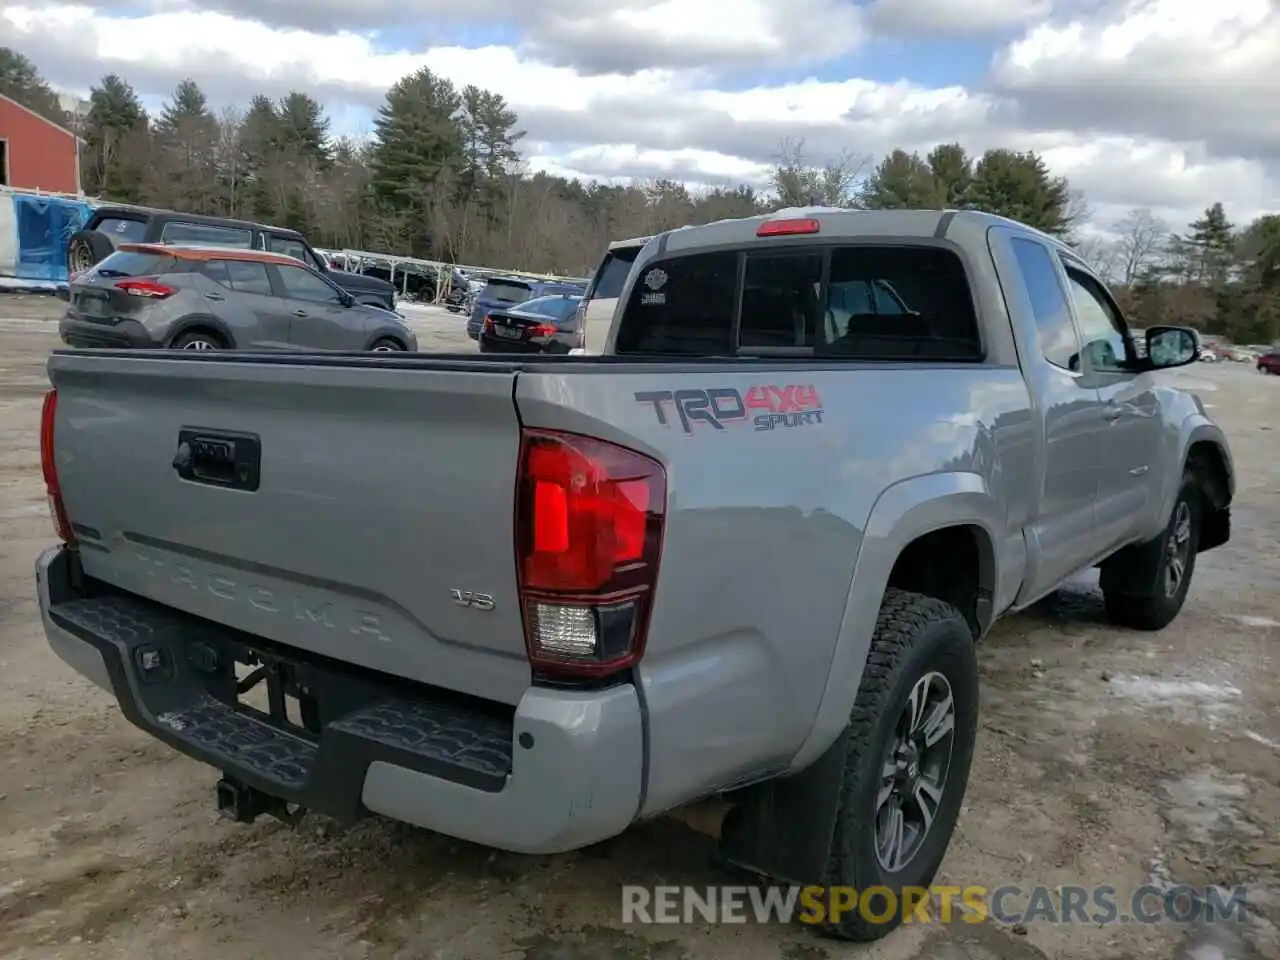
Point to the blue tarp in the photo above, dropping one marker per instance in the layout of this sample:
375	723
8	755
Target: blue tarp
45	226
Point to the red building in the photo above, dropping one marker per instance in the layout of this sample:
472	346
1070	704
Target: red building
35	153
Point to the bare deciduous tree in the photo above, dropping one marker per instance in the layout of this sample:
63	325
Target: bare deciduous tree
800	183
1142	237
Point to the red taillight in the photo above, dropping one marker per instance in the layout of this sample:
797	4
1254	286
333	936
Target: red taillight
488	322
146	287
589	522
49	467
788	228
544	330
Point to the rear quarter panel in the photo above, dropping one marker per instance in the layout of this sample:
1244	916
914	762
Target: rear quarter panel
765	527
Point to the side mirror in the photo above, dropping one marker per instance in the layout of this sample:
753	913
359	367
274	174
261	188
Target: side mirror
1172	347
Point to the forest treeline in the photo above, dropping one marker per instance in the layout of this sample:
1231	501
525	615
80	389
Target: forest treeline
442	178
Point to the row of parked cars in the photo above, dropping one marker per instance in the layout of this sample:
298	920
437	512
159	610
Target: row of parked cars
521	315
145	277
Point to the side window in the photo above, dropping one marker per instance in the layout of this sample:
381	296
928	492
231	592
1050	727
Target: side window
175	231
1057	334
301	284
122	229
247	276
780	298
291	247
683	305
1105	344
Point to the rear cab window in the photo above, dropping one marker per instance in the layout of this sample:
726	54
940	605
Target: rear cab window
176	231
133	263
506	291
855	301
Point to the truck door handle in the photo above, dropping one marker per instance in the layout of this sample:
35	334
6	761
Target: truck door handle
299	313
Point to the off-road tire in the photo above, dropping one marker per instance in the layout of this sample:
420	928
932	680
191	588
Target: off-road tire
915	635
1157	610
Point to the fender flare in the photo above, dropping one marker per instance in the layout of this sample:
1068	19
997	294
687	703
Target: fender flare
194	320
903	512
1195	428
385	333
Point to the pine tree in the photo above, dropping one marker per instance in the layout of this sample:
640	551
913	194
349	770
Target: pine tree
116	141
1019	186
903	181
21	81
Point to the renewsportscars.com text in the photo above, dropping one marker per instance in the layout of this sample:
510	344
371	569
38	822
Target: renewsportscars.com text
1007	904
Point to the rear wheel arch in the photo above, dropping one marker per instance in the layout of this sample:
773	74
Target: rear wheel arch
202	324
913	519
1207	462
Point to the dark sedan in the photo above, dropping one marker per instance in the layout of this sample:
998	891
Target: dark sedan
542	325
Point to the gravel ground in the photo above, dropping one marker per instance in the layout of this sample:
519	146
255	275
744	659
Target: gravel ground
1104	757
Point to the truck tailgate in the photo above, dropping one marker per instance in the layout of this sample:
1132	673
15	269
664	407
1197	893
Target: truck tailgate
384	504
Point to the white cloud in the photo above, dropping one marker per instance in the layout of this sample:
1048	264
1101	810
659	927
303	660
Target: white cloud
1155	103
1175	69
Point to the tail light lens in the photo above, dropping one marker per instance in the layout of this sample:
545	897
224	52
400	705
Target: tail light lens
589	525
146	287
544	330
488	322
61	523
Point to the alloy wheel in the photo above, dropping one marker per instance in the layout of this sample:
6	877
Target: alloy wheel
914	772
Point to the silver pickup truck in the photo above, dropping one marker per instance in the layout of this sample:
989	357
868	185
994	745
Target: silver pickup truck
745	555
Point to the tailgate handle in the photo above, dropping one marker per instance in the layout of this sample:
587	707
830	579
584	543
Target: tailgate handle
219	458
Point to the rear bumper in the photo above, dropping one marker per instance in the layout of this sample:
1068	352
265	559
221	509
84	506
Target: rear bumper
125	333
561	771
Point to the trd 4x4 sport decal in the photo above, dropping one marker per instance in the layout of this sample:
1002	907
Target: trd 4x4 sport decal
768	407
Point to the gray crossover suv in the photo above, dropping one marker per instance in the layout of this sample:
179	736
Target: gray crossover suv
220	298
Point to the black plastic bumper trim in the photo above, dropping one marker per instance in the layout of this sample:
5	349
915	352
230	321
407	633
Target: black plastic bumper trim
378	718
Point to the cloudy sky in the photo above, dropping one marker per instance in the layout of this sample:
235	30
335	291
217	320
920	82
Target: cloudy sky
1169	104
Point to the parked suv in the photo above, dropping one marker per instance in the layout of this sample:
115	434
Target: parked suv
596	311
218	298
110	226
504	293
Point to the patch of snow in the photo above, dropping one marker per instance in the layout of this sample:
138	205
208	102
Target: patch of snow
1259	738
18	285
1204	804
1256	621
1151	691
24	511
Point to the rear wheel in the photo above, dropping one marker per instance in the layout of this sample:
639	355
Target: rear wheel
910	745
197	340
387	345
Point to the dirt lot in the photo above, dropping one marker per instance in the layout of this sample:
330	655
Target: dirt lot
1105	757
